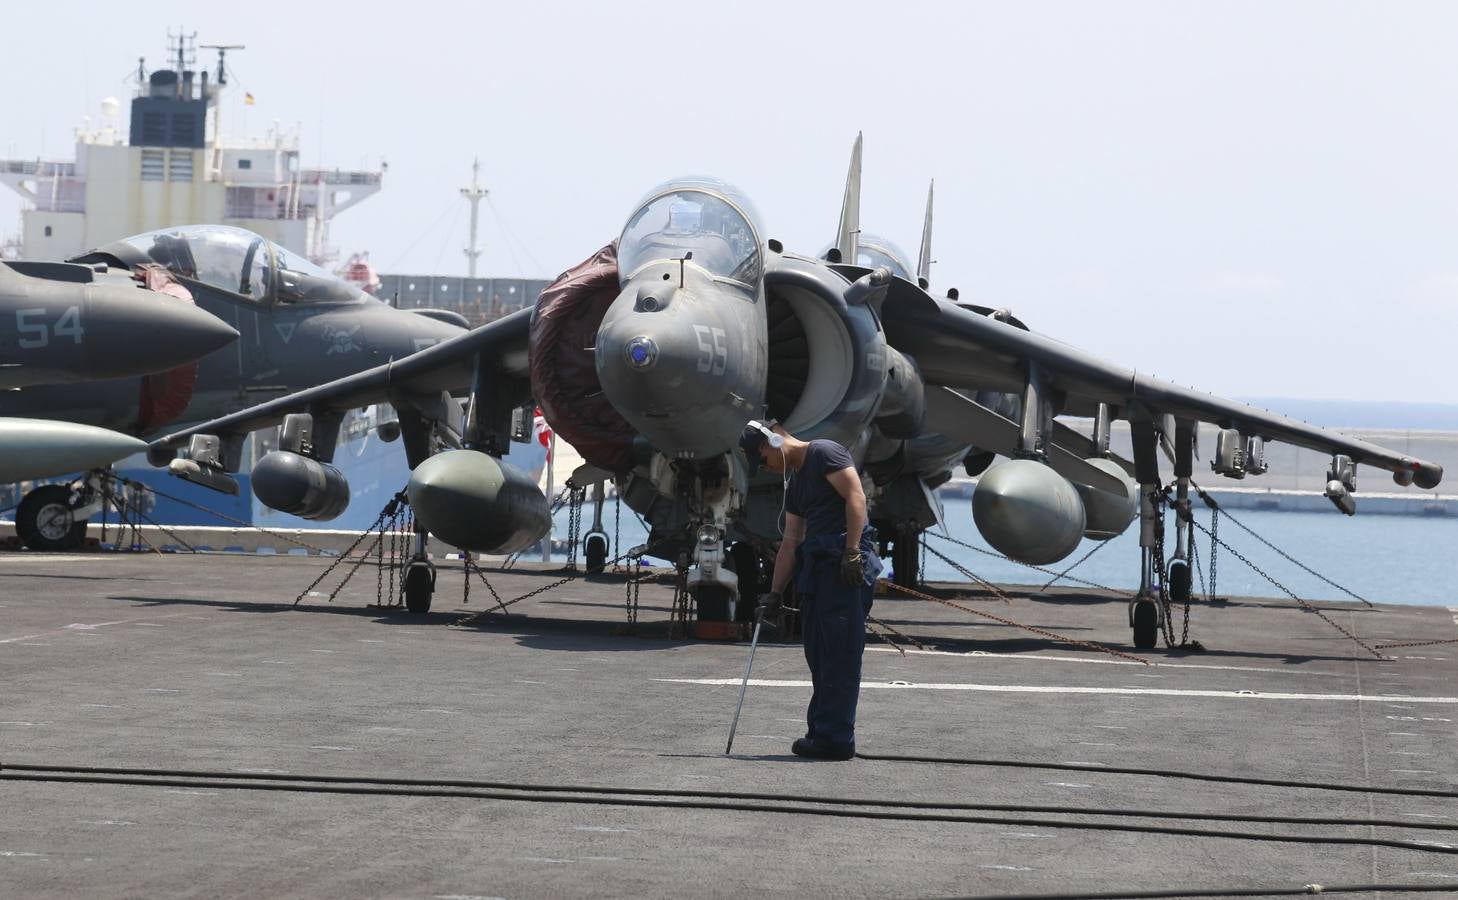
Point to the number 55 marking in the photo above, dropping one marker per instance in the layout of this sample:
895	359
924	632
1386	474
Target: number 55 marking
713	349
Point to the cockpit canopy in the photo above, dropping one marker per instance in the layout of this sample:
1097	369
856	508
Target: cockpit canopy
703	216
237	261
874	251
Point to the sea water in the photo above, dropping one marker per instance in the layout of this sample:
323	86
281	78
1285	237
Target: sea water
1382	558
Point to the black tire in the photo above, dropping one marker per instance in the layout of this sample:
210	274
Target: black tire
44	520
751	584
595	551
1146	624
419	587
906	559
712	603
1178	575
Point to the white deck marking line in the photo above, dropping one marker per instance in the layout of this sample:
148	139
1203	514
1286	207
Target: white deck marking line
1063	689
1042	657
80	626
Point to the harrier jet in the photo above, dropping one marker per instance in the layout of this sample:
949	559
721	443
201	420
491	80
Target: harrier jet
650	356
64	323
296	326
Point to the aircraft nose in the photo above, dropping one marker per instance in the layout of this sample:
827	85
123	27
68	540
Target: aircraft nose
127	332
671	372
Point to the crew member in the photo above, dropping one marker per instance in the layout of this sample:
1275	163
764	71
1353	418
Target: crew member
830	551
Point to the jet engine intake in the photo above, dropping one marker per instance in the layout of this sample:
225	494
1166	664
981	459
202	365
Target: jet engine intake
300	486
828	359
1028	512
474	501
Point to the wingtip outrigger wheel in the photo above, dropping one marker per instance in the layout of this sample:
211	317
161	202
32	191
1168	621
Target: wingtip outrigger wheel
418	581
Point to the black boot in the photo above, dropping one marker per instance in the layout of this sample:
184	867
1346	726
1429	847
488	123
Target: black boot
814	748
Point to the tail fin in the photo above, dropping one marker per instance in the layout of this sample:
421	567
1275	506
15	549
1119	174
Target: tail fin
923	259
847	237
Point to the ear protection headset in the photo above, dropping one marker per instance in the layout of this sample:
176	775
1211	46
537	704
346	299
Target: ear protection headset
775	440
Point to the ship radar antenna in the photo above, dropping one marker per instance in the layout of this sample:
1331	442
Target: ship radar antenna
474	194
223	59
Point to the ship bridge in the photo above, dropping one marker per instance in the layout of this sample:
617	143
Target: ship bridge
174	166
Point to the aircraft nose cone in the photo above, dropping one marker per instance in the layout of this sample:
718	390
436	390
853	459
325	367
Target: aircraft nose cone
677	374
127	332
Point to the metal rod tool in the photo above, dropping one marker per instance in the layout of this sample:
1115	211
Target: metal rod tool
753	643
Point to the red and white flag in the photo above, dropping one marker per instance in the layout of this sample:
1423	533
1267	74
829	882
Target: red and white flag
541	429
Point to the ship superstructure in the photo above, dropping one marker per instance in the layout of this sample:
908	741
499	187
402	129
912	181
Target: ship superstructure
174	166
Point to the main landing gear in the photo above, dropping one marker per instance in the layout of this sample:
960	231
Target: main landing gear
46	519
1161	582
53	517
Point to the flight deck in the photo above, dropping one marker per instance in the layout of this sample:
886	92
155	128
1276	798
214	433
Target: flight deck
175	725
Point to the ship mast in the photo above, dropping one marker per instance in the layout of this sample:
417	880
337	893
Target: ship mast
218	85
474	194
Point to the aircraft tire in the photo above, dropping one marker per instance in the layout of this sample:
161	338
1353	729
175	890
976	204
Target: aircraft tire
1146	624
419	586
1178	575
595	551
751	584
906	558
44	520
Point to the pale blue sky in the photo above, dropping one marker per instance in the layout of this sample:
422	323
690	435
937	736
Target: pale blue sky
1253	198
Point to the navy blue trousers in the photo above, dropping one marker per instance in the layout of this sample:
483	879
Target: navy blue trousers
833	627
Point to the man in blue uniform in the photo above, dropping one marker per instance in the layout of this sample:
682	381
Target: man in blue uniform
830	551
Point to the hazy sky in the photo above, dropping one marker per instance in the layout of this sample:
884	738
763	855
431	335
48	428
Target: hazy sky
1253	198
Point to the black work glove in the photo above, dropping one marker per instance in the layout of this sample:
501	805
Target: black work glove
771	604
853	568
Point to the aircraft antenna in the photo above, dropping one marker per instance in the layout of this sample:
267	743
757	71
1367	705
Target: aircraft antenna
474	195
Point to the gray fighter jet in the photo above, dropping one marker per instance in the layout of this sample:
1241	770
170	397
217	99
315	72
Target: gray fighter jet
299	326
67	322
70	323
650	356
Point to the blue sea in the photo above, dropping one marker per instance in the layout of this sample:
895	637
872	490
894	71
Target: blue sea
1383	558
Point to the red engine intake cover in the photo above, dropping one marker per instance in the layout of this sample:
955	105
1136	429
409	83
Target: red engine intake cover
563	369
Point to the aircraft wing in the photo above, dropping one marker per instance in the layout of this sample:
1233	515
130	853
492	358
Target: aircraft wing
958	348
447	366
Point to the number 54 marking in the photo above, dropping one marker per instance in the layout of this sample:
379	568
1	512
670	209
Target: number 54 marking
713	349
35	334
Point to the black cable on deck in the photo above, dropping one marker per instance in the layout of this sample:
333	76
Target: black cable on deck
651	799
1165	773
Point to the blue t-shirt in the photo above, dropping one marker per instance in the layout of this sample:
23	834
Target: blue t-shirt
811	496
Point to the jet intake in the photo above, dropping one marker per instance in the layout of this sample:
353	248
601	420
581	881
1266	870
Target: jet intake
1028	511
475	501
300	486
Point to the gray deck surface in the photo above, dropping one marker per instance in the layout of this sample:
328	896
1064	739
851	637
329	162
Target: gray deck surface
200	662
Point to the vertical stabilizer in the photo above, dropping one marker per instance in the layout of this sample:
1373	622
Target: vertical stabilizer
847	237
923	259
